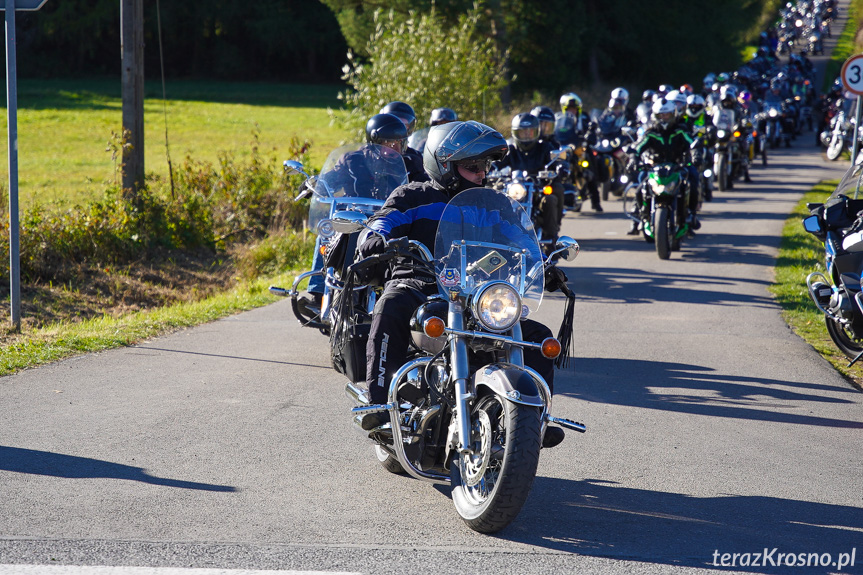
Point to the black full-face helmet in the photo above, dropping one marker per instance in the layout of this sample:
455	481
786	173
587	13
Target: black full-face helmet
525	131
467	143
546	121
387	130
442	116
404	112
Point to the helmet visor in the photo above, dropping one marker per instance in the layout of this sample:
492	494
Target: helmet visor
526	134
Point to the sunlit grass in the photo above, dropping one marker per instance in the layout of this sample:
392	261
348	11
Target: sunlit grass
64	127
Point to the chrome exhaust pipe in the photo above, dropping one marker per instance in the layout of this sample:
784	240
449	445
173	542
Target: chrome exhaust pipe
357	394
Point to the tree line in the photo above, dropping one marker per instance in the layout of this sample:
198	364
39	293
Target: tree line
553	44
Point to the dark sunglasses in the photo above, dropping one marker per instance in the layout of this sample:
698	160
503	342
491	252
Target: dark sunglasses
476	167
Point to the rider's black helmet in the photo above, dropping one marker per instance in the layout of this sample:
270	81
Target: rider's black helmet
404	112
459	142
386	129
546	120
442	116
525	131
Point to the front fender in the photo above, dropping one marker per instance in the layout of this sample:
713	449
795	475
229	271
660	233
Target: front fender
509	381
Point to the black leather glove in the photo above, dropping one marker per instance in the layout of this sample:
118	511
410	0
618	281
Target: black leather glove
373	244
554	278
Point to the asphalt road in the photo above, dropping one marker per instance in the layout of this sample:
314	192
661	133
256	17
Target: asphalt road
712	429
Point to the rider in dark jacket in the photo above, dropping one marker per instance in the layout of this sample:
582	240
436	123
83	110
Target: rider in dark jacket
532	155
413	159
457	157
666	140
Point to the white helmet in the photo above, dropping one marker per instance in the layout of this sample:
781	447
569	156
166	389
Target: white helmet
694	106
620	94
664	112
674	98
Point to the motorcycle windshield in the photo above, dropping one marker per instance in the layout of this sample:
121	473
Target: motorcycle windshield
850	186
485	236
360	176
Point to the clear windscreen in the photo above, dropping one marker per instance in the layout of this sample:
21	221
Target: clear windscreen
485	236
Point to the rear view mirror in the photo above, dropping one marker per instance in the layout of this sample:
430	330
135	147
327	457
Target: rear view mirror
812	224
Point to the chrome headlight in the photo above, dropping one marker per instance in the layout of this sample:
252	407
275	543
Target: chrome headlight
721	133
657	187
325	229
772	113
516	192
497	306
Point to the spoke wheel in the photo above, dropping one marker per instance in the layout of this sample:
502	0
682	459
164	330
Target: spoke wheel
493	482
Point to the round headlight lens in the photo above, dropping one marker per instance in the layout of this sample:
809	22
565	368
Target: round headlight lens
497	306
326	229
516	192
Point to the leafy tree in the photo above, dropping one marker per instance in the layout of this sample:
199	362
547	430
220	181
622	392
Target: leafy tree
427	63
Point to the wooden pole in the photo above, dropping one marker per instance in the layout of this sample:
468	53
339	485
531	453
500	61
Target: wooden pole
132	48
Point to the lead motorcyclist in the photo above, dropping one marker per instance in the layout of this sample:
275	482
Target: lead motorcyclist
457	157
667	141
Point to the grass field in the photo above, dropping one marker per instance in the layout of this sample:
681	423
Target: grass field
65	126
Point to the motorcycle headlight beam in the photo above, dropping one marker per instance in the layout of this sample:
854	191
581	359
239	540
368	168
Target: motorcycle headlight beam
497	306
516	192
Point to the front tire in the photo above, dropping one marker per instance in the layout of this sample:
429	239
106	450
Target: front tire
843	340
661	232
491	486
722	173
834	150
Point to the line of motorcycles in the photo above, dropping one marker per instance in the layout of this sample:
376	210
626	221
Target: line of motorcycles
465	410
804	26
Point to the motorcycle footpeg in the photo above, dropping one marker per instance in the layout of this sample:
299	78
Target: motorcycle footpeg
282	292
567	423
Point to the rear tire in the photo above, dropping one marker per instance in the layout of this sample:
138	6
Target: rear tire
490	488
387	461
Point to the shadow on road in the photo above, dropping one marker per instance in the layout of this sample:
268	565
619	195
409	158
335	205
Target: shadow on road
633	286
72	467
601	518
697	390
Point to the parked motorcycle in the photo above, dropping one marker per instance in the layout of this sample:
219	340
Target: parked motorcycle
464	409
838	223
355	177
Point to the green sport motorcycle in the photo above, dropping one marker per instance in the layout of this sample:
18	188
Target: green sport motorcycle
662	198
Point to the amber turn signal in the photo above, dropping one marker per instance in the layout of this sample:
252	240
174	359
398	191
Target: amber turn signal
434	327
323	250
737	134
547	190
550	348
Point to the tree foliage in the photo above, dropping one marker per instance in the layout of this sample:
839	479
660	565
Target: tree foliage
217	39
427	63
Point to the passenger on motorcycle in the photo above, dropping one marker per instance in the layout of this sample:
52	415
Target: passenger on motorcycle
667	140
442	116
529	153
457	157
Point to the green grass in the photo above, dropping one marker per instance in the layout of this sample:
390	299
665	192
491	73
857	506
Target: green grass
801	253
63	340
64	127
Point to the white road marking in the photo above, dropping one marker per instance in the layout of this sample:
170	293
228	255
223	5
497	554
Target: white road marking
106	570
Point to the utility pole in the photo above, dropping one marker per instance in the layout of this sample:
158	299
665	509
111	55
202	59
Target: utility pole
10	7
132	52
